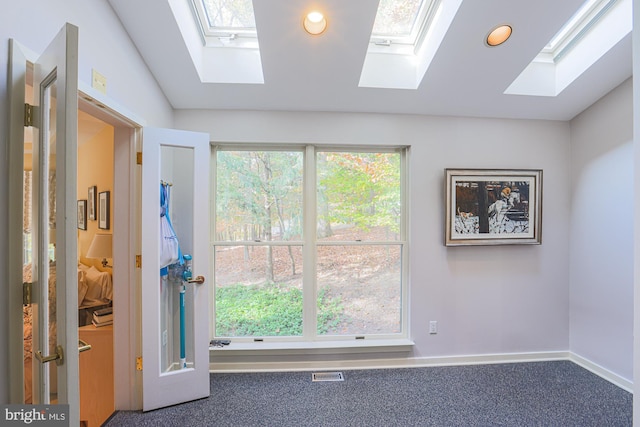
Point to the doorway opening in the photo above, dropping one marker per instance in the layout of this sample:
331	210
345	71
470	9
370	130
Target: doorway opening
102	136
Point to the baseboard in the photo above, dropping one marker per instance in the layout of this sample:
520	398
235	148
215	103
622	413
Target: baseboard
612	377
421	362
388	363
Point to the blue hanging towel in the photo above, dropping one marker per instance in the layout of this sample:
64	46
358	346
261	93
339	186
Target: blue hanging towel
170	252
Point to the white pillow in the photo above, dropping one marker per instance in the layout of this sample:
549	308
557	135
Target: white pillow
82	287
100	288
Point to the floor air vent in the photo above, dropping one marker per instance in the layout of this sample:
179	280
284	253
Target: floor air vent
327	376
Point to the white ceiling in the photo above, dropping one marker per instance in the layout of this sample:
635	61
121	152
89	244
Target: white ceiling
305	73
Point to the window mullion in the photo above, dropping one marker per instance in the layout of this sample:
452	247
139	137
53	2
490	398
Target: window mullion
309	317
212	233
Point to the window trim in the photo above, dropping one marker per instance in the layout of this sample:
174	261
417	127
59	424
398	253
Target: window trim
309	340
376	345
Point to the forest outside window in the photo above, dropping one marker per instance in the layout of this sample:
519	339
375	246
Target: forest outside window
309	243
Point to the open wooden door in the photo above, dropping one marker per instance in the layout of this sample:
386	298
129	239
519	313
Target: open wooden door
175	353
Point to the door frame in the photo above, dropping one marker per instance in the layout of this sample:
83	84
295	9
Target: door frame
127	339
127	142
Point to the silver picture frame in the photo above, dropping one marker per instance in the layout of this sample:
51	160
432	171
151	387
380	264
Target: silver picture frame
493	207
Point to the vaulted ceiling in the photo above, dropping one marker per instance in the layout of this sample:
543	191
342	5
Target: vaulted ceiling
322	73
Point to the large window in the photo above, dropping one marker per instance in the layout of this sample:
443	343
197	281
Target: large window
309	243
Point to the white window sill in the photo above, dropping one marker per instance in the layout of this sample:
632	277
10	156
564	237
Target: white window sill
315	347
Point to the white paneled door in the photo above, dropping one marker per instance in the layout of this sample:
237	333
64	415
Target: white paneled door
54	224
175	310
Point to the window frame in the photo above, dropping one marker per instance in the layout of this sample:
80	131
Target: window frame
407	44
237	37
309	243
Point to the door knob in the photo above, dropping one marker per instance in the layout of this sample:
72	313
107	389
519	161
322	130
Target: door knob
198	279
58	356
83	346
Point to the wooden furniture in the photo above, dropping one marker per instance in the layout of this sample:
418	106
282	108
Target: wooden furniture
96	375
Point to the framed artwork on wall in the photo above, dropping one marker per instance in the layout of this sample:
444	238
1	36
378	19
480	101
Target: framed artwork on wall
91	197
493	206
82	214
103	210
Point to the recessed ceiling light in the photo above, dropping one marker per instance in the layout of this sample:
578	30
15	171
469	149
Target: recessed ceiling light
499	35
315	23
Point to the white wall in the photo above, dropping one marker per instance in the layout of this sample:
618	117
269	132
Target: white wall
636	163
487	300
601	232
105	46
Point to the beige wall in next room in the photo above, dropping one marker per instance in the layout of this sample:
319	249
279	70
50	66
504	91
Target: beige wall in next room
95	168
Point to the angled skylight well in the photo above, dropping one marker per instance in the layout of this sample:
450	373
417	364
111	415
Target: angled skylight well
573	31
589	34
405	37
221	38
226	23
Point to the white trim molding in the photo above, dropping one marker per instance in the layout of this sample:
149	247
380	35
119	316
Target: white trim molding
417	362
386	363
612	377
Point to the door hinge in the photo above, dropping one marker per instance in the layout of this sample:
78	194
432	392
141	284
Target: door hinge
28	115
27	289
138	363
139	158
138	261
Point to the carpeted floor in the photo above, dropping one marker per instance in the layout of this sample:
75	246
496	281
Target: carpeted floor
520	394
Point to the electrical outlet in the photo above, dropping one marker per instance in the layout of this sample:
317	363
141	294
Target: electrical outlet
433	327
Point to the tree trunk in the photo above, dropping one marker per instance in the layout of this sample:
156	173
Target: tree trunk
267	177
282	235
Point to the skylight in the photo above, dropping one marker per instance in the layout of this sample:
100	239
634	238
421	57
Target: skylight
226	22
591	33
571	33
406	36
219	32
402	22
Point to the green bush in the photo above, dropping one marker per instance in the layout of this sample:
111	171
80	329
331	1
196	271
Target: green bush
269	310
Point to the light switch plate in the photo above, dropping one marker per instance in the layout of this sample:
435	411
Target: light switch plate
98	82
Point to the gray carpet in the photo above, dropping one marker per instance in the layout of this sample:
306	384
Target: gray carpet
519	394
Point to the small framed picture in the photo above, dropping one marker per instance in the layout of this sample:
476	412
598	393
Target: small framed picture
103	210
82	214
493	206
92	202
